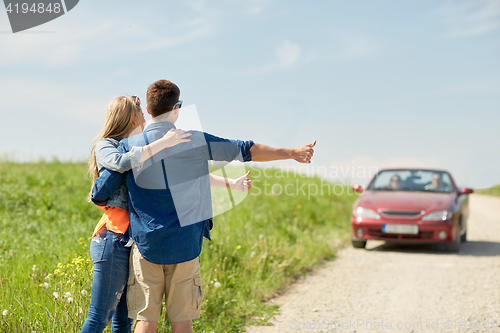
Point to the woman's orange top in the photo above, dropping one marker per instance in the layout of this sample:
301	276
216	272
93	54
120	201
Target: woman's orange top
114	219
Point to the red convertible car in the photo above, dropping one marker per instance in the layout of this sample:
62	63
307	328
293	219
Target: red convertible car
411	205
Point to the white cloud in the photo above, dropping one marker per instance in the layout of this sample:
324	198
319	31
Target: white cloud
355	45
256	7
196	5
74	42
49	118
311	57
287	54
67	100
470	18
246	7
486	86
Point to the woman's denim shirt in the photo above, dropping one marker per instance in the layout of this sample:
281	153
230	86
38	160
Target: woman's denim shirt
108	157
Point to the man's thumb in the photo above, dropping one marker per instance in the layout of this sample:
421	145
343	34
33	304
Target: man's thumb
312	144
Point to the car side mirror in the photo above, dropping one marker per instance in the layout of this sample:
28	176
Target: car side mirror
357	188
466	190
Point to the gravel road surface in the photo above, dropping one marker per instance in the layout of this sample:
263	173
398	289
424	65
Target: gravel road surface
402	288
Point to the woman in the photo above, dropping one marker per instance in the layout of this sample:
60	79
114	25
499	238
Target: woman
109	247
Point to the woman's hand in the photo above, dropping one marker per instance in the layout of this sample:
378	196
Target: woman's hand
175	136
171	138
242	184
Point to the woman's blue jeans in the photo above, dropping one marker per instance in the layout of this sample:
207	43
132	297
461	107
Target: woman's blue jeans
108	300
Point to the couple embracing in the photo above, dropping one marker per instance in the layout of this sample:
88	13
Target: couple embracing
154	188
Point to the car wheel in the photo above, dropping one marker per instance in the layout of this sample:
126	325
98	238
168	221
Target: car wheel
358	244
463	238
454	245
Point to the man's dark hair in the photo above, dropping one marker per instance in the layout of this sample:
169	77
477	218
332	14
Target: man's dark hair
161	97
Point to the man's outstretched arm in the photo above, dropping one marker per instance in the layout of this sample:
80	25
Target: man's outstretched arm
263	153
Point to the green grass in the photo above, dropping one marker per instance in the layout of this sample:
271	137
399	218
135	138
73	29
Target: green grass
256	249
495	190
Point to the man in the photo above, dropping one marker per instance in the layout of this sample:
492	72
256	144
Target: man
437	184
170	212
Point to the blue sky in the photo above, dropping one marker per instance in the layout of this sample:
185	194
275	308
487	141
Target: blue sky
376	83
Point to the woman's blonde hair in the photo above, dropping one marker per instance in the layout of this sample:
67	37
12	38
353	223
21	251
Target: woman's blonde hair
122	111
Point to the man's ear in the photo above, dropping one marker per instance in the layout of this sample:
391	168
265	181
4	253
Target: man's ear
147	109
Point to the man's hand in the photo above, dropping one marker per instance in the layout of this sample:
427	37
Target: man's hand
242	184
263	153
305	153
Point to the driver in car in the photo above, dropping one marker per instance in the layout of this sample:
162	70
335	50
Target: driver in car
395	183
437	183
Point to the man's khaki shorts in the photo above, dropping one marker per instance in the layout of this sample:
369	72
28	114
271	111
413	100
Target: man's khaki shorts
147	283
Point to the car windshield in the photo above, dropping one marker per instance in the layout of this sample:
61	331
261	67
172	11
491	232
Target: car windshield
412	180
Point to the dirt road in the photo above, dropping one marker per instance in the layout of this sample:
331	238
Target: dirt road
409	288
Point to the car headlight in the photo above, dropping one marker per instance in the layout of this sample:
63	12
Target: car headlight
365	212
440	215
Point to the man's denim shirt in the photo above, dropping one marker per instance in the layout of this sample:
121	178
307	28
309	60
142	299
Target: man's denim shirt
170	205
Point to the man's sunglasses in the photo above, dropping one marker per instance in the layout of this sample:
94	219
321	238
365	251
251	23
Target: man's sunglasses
178	103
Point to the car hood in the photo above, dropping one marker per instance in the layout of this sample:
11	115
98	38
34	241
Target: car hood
412	201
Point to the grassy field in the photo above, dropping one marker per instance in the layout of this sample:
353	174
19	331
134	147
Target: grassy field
495	190
256	249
